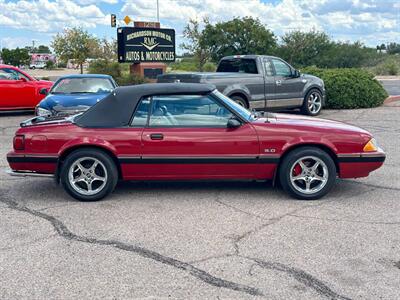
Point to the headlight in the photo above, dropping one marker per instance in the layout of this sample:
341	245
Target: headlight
371	146
42	112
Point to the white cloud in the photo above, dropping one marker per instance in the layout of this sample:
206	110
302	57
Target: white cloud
49	16
355	19
371	21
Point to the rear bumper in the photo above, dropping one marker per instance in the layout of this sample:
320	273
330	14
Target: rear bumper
29	163
28	173
355	165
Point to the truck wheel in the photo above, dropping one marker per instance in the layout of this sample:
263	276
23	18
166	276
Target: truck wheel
307	173
88	174
312	103
239	100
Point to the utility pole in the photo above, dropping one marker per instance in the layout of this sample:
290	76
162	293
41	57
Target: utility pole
158	13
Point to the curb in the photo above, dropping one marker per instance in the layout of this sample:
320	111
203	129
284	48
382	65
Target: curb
391	99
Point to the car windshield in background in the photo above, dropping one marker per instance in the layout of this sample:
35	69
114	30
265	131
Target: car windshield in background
83	85
243	112
238	65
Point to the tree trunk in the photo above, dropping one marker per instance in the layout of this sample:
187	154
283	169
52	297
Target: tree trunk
81	68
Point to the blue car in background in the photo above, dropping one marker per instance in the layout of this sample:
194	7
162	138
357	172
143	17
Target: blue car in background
74	94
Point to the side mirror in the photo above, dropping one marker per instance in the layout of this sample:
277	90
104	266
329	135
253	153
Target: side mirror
43	91
23	79
296	73
233	123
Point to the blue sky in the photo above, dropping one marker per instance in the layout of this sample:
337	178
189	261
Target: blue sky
370	21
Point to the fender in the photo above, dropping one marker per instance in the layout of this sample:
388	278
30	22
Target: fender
88	142
308	141
299	142
237	89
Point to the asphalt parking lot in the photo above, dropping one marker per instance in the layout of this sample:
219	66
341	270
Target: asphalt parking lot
205	240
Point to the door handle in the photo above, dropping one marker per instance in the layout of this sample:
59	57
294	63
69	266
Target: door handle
278	82
156	136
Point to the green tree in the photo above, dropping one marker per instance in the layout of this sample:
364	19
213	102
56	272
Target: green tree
393	48
15	57
196	45
43	49
348	55
238	36
76	44
106	49
304	48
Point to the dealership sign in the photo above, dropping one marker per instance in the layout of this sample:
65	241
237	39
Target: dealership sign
138	44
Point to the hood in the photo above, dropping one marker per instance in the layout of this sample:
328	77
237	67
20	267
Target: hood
310	124
310	77
75	102
317	123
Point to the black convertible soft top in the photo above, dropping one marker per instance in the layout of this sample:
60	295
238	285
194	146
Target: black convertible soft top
117	108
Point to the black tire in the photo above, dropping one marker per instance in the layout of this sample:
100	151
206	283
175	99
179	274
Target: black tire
106	162
290	160
305	109
240	100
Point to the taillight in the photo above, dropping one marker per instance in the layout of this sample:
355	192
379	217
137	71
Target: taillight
19	142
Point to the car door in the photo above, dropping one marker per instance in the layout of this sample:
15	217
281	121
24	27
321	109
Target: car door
8	90
187	138
17	90
269	81
288	89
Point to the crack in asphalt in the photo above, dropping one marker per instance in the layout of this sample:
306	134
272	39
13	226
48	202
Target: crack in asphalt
218	200
236	240
65	233
349	221
305	278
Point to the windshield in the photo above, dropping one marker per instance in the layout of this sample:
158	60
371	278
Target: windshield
83	85
243	112
238	65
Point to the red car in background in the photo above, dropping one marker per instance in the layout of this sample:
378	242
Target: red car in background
20	91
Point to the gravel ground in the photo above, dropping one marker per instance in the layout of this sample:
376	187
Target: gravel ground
205	240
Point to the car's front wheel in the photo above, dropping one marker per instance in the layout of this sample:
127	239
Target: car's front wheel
307	173
88	174
312	103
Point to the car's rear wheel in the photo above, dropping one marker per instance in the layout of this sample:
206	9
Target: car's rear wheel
312	103
307	173
88	174
240	100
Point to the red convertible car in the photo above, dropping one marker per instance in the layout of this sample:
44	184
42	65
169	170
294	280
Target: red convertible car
188	131
19	91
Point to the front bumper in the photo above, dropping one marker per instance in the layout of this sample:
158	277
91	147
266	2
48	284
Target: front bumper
355	165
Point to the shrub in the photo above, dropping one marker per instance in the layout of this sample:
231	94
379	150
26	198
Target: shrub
105	67
50	65
390	66
349	88
120	72
209	67
129	79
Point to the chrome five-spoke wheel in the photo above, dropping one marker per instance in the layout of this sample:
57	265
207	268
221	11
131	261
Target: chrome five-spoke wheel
309	175
87	175
314	103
